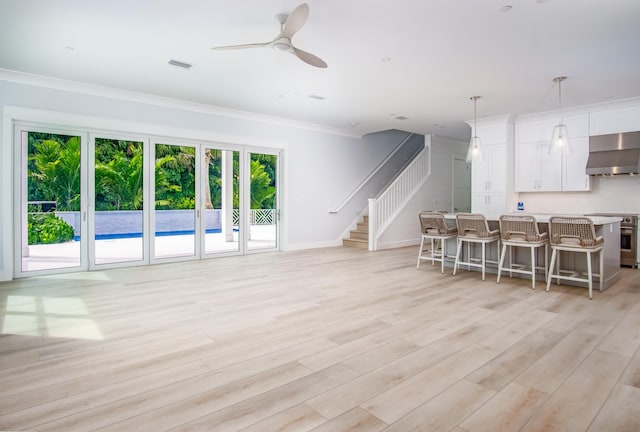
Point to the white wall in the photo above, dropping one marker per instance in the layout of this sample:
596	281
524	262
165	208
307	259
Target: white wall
618	194
321	168
435	194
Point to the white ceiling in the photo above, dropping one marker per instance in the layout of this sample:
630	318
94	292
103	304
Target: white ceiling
442	52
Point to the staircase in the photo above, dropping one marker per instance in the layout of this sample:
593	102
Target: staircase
359	238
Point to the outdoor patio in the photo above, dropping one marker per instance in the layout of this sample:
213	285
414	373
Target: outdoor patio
62	255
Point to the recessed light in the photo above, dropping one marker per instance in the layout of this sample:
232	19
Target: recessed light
180	64
386	59
399	117
316	97
69	48
506	8
354	123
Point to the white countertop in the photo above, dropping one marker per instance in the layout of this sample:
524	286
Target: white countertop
544	218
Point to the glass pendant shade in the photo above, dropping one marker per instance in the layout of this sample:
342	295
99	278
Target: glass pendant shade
560	142
474	152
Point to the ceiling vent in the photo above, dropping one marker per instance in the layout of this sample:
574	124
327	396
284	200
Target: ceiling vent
180	64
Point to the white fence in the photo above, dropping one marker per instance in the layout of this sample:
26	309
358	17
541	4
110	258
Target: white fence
257	216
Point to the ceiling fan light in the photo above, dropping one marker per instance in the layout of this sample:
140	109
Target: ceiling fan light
281	46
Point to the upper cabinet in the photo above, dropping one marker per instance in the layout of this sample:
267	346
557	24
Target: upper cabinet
492	176
615	120
538	171
489	174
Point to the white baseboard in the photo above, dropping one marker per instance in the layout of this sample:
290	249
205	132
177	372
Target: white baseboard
316	245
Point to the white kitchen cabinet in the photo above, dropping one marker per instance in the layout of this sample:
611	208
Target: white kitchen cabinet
492	178
615	120
536	170
574	177
488	175
492	205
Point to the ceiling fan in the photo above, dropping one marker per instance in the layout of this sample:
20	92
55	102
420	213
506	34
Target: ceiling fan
289	25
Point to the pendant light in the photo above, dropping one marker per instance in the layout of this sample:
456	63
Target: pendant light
560	142
474	153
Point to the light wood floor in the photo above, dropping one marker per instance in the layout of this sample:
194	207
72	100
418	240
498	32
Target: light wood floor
331	339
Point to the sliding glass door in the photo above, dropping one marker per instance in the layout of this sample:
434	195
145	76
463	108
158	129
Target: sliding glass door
220	200
51	212
117	190
95	200
174	219
263	215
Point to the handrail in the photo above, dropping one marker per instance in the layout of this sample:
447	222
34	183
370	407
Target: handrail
370	176
384	208
400	171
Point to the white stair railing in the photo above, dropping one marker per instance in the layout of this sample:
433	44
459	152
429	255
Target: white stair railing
373	173
384	208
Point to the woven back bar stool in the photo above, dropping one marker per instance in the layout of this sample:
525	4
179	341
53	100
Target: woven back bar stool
522	231
574	234
434	228
473	229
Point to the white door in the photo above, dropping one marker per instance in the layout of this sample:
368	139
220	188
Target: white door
50	204
262	200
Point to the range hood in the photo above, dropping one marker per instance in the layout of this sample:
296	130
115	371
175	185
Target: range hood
614	154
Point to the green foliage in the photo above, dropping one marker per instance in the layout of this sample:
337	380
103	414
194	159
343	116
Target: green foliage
55	168
175	177
54	175
46	228
262	193
118	175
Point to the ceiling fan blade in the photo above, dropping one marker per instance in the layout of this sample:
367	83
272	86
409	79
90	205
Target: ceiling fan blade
309	58
243	46
296	20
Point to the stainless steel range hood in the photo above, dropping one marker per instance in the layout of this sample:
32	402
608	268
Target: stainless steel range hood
614	154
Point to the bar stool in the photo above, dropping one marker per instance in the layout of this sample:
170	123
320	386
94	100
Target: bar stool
574	234
473	228
522	231
434	227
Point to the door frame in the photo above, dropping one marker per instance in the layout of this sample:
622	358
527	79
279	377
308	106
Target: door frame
20	229
146	197
246	157
87	134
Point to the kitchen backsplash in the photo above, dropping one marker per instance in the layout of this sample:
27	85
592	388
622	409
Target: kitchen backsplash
617	194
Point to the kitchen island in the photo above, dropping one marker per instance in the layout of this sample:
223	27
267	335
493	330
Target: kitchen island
606	227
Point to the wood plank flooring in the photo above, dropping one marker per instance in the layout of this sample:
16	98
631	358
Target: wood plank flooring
334	339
